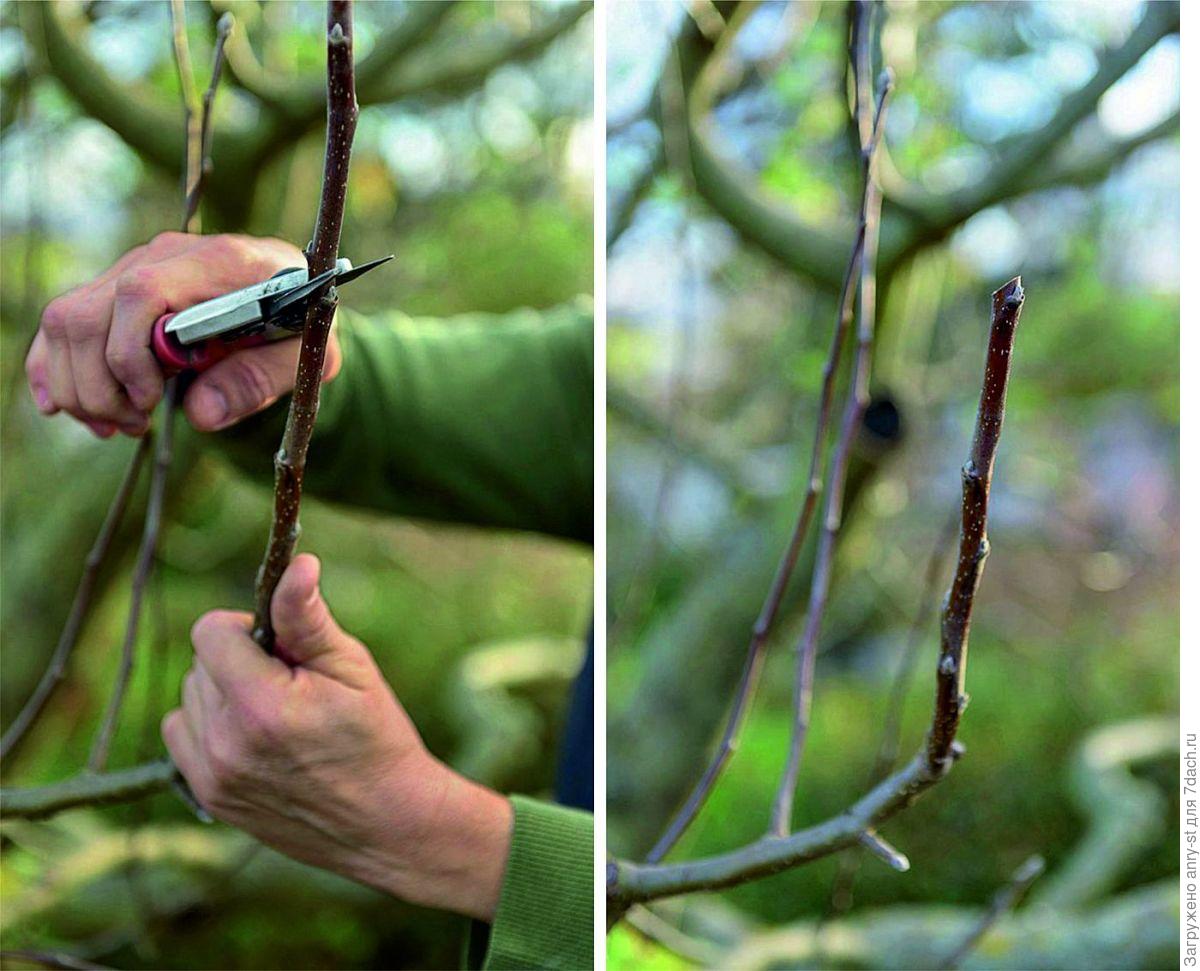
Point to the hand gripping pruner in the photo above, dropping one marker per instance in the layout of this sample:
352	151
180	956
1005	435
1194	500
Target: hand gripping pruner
196	338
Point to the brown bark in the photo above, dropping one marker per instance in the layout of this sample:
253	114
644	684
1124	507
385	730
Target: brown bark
322	253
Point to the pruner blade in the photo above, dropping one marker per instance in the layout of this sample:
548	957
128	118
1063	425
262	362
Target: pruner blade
280	309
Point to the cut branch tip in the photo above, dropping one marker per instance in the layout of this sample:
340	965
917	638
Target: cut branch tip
880	848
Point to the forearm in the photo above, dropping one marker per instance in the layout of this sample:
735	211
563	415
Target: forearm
483	420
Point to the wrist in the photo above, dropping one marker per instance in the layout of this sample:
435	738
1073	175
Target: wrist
451	854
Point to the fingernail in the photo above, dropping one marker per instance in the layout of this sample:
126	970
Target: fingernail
42	397
211	407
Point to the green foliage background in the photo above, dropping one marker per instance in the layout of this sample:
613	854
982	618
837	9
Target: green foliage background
478	221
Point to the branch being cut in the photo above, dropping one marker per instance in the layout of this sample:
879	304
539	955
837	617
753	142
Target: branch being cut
322	254
630	883
764	625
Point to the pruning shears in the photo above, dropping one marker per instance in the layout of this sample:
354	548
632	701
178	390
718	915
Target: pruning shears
197	338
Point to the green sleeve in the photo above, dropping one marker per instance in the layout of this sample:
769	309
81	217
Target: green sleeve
480	419
545	915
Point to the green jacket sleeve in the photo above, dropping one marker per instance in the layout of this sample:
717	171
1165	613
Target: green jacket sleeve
480	419
545	916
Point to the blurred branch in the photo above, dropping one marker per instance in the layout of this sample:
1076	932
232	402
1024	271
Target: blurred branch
870	129
1094	166
688	443
52	959
1005	900
304	104
1126	814
447	74
141	574
57	667
200	168
630	883
87	789
322	255
145	122
765	623
913	219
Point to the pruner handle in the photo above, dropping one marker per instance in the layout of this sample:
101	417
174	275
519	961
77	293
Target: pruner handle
174	357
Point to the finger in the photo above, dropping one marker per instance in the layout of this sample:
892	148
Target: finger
227	652
248	381
185	752
100	397
193	706
305	630
59	378
37	373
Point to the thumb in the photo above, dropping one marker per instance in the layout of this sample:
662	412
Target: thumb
248	381
305	631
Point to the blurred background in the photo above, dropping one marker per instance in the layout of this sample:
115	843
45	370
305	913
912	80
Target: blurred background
1037	139
473	163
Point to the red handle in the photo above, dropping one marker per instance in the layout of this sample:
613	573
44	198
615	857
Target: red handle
175	357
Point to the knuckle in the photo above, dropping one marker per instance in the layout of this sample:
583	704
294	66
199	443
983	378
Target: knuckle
228	247
168	239
138	282
225	756
123	359
205	627
56	318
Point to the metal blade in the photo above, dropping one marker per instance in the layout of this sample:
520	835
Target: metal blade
356	272
273	307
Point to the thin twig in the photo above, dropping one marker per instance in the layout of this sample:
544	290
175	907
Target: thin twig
79	606
322	254
192	141
765	623
629	883
141	573
871	132
973	541
1005	900
191	215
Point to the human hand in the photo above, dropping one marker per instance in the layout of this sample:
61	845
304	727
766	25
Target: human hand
311	753
91	356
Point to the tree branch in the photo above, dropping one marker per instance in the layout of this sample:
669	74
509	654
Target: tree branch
1005	900
446	75
87	789
765	623
630	883
322	254
973	542
141	574
69	637
871	133
919	218
203	164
